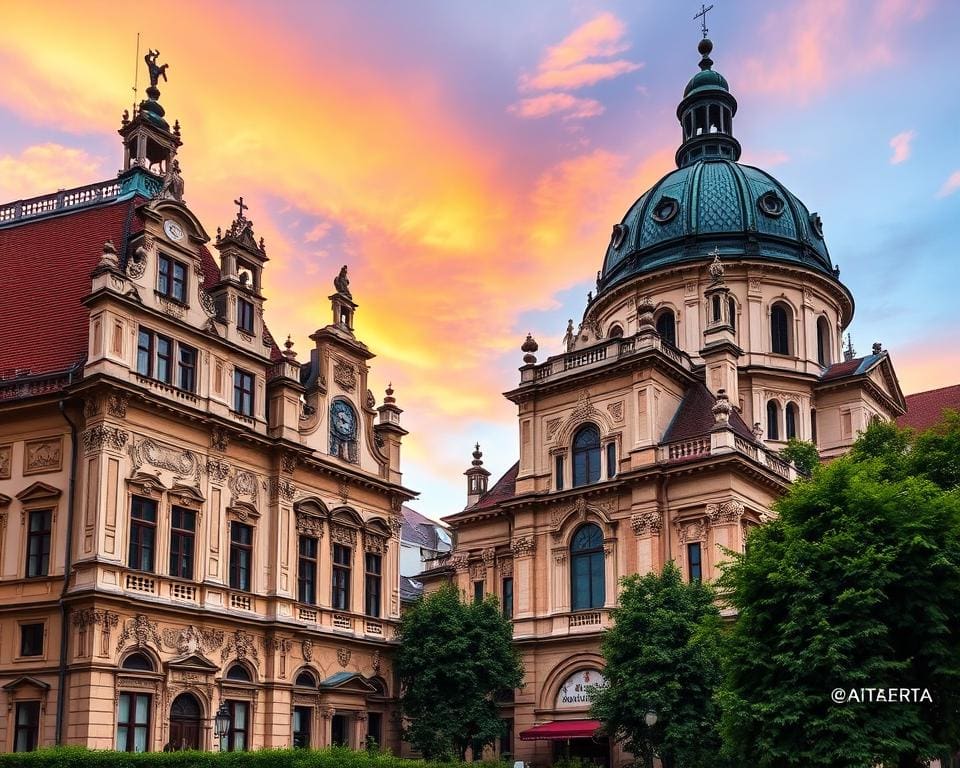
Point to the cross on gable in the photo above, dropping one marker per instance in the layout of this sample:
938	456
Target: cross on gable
242	206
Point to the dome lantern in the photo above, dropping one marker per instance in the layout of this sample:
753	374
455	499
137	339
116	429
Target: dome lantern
706	114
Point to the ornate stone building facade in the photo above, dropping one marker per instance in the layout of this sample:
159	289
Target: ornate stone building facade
191	520
714	336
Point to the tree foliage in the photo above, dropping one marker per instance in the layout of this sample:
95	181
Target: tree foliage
663	653
453	659
803	454
856	585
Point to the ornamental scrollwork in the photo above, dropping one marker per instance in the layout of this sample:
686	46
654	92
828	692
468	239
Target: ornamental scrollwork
95	438
184	464
374	543
523	546
309	525
343	656
218	471
142	631
724	512
345	375
242	645
643	523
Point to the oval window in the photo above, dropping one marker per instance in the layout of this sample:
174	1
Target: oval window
771	204
665	210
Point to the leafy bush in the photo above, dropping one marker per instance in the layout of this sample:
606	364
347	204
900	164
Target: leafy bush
336	757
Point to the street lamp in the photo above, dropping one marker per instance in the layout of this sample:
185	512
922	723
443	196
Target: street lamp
651	720
221	724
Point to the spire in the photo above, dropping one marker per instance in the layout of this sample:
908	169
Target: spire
706	114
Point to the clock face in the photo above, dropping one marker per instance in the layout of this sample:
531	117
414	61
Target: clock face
343	421
173	230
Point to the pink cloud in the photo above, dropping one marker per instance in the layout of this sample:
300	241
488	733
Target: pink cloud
42	168
579	75
552	103
901	146
951	185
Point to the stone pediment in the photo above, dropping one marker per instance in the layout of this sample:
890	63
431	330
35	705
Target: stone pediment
38	491
26	681
193	662
348	682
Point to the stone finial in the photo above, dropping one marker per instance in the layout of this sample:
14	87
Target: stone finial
477	456
389	399
877	348
109	258
589	297
645	308
528	347
757	432
288	349
176	128
722	408
716	267
125	118
849	352
569	337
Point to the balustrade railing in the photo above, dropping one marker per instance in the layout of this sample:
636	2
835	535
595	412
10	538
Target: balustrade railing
58	201
611	349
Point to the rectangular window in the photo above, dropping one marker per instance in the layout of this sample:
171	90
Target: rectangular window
27	732
611	460
241	556
31	639
183	527
187	373
164	359
38	543
341	577
245	315
301	727
693	558
172	279
133	722
478	591
143	533
307	570
243	392
371	581
237	738
558	472
145	353
375	728
508	597
506	739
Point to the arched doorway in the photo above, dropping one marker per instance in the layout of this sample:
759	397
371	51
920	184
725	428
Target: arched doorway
186	717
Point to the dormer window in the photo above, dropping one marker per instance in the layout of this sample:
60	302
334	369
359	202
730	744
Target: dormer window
171	279
245	316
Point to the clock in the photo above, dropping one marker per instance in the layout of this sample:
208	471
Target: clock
173	230
343	420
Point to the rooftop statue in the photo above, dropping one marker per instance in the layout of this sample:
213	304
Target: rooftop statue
342	283
156	71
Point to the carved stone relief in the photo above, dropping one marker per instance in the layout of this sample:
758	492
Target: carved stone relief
616	410
306	649
343	656
648	522
523	546
192	639
142	631
217	470
100	435
309	525
345	375
42	456
6	461
184	464
244	483
724	512
240	644
219	439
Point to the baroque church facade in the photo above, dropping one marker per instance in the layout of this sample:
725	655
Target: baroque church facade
199	533
714	336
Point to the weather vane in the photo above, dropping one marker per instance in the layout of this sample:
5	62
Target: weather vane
703	17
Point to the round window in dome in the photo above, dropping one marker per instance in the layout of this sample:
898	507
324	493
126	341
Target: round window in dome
666	210
771	204
618	235
816	224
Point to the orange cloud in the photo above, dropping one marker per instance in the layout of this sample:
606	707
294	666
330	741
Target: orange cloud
44	168
900	144
951	185
551	103
578	76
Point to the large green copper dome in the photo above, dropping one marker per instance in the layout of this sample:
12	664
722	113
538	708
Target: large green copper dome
712	201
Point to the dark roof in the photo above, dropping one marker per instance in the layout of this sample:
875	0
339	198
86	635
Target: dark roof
410	589
853	367
505	488
46	263
925	409
418	529
694	417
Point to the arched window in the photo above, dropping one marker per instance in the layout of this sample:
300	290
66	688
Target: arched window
306	679
823	341
616	331
586	455
586	568
717	314
611	460
773	420
379	686
667	327
780	329
239	672
137	661
791	419
732	309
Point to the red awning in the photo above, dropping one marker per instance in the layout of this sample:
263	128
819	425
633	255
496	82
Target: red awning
562	729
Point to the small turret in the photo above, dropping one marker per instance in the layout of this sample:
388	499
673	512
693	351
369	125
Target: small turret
720	350
477	478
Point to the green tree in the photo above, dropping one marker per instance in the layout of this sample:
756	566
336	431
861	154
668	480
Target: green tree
803	454
855	585
663	654
454	657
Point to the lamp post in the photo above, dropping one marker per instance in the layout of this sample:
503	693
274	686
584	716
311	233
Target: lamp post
221	724
651	720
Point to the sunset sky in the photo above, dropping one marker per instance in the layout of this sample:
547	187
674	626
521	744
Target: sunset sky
467	161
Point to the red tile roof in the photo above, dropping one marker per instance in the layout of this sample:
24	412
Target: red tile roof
694	417
850	367
505	488
46	264
925	409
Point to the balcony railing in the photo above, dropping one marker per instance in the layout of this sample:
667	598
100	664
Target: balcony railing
606	351
724	442
59	201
